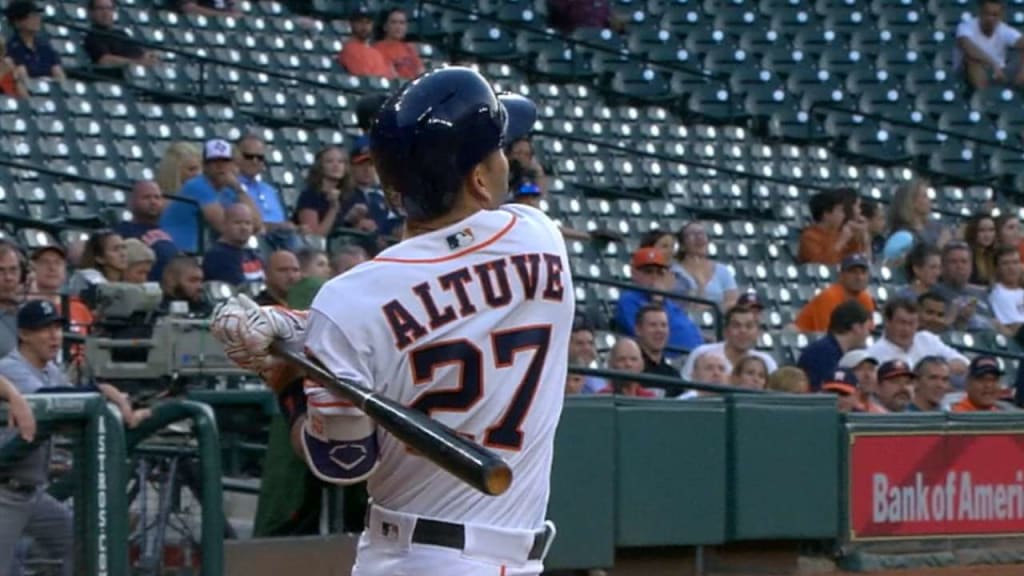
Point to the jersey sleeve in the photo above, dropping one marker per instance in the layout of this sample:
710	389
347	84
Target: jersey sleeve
1010	34
343	354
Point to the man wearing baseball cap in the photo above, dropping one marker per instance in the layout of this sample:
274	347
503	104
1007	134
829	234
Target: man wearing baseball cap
984	387
26	47
852	285
843	383
216	187
895	385
650	271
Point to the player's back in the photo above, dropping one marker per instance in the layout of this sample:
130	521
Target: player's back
470	324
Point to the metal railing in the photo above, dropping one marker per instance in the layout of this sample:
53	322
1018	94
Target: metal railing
669	384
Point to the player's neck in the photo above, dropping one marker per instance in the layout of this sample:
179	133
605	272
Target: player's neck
417	228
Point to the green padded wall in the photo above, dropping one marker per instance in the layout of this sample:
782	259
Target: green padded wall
670	487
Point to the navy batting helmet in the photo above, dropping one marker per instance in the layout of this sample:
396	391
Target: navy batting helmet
431	133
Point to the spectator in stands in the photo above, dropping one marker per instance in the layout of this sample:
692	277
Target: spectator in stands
981	45
1007	295
215	188
521	151
50	272
402	55
922	268
895	385
903	341
650	270
380	217
138	261
931	384
108	46
278	231
328	184
13	275
874	216
208	7
934	312
865	368
103	260
282	274
27	47
832	236
626	356
709	367
1008	232
984	387
182	281
980	235
969	307
739	339
911	212
652	336
843	383
146	204
848	329
568	15
181	162
230	259
583	352
357	56
697	274
750	372
790	380
852	285
12	76
347	257
314	271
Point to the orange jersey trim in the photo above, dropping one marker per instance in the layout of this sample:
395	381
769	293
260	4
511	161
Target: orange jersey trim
497	236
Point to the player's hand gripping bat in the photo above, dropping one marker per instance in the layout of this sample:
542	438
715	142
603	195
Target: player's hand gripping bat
471	463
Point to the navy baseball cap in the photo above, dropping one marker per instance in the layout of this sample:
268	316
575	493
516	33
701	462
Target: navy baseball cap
36	314
984	366
20	9
843	381
749	300
854	261
360	150
894	369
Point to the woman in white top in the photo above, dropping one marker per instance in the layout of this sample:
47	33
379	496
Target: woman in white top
1007	296
103	260
698	275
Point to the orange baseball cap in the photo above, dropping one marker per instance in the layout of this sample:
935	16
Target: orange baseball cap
649	256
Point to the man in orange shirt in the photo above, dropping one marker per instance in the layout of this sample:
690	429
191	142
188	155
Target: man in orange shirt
852	284
984	387
401	54
357	55
832	237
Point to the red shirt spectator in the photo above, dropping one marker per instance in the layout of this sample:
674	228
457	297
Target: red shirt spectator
358	56
401	54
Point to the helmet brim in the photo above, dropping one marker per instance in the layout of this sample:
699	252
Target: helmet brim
521	113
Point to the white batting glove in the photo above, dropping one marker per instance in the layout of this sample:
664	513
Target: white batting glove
247	330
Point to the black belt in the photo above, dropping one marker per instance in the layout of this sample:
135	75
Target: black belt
449	535
18	486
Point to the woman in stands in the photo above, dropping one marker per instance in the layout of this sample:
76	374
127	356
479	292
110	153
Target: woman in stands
103	260
923	268
401	54
328	186
697	274
980	234
911	211
750	372
180	163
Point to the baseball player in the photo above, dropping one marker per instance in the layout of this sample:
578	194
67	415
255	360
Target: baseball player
467	319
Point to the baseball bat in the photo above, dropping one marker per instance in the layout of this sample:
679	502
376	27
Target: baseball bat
467	461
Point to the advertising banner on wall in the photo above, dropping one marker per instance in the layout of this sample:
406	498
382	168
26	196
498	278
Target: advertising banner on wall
935	484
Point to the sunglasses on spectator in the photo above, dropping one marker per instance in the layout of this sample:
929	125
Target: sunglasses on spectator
259	157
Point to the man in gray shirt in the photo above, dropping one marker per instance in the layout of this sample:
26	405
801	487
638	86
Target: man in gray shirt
970	308
13	272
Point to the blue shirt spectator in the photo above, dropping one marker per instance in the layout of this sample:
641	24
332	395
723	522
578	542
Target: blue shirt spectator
26	47
849	326
232	264
820	359
682	332
146	203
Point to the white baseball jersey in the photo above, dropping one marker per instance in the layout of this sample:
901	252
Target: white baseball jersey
470	324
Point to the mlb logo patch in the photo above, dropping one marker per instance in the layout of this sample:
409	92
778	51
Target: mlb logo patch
389	530
461	239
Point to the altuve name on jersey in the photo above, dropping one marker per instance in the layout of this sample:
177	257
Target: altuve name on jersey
465	291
